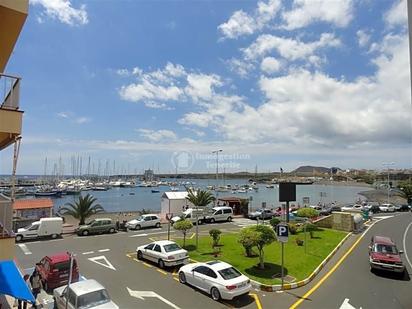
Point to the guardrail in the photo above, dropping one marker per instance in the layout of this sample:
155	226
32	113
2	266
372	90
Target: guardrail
9	91
6	216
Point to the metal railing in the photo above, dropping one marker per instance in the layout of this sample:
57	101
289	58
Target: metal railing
9	91
6	216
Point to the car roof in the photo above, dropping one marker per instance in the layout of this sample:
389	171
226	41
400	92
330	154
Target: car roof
59	257
86	286
221	207
383	240
218	265
100	219
163	242
145	215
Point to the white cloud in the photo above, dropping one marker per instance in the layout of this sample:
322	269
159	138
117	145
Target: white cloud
397	15
63	11
290	49
363	38
200	86
305	12
123	72
149	91
81	120
73	118
241	23
63	115
240	67
159	135
270	65
157	105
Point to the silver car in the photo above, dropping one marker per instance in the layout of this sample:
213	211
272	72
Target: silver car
83	294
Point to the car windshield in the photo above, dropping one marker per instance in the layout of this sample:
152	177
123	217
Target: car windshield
386	249
140	218
171	247
93	299
91	222
259	210
62	266
229	273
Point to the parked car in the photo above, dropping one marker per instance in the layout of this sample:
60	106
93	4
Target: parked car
384	255
220	213
402	208
144	221
387	208
97	226
374	209
355	207
45	227
219	279
164	252
54	270
261	214
192	214
83	294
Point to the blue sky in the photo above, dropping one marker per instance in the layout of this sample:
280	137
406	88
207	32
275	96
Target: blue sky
271	83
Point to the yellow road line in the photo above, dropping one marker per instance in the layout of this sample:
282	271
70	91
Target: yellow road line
176	279
134	259
257	300
148	265
194	260
317	285
162	271
193	235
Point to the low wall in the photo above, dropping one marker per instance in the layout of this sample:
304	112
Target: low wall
338	221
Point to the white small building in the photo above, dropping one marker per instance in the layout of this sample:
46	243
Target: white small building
174	203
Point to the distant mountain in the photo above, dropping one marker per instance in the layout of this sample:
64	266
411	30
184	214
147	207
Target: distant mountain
314	170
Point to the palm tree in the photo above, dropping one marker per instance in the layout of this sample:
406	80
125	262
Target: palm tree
82	208
199	198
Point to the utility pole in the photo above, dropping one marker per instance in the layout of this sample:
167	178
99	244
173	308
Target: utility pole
217	170
388	164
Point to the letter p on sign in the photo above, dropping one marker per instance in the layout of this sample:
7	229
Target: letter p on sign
282	232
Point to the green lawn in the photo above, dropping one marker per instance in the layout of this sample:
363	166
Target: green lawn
297	263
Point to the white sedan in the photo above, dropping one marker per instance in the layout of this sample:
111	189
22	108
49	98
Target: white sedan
219	279
387	208
163	252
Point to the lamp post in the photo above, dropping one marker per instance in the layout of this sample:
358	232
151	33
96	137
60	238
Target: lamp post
217	169
388	164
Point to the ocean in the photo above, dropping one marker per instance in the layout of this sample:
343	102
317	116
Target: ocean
134	199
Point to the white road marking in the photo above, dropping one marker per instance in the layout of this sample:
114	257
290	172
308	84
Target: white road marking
24	248
142	294
138	235
383	217
346	305
404	245
104	261
88	252
103	250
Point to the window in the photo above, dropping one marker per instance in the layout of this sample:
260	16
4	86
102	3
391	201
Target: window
93	299
154	218
219	212
149	247
229	273
201	270
147	218
63	266
227	211
386	249
72	298
157	248
211	273
171	247
34	227
96	223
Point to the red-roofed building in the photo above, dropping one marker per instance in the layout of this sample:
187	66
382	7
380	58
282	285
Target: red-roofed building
33	208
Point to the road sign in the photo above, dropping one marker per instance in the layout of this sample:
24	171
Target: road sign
282	232
169	216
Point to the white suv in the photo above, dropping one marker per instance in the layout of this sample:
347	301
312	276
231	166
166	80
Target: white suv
144	221
223	213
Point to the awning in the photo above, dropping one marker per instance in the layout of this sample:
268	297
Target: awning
12	283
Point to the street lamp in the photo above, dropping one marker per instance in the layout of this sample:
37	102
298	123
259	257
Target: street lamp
217	169
388	164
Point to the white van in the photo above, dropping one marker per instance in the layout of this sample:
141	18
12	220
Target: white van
192	214
223	213
46	227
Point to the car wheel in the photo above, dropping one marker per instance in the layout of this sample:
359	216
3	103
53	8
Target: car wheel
111	230
137	227
229	219
54	236
200	221
157	224
85	233
161	264
139	255
212	220
182	277
19	238
214	292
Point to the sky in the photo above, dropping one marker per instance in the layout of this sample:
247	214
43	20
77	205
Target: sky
162	84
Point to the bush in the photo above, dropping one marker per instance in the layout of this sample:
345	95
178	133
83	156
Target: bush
274	222
293	228
307	212
183	226
248	238
311	228
215	234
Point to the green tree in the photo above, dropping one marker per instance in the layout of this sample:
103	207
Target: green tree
307	212
183	226
199	198
274	222
406	189
311	228
215	234
82	209
257	236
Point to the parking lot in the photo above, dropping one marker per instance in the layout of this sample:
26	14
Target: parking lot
111	260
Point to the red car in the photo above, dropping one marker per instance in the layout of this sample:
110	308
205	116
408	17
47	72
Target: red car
55	270
384	255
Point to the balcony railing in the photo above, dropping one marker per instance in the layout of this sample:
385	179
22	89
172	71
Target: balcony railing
6	217
9	91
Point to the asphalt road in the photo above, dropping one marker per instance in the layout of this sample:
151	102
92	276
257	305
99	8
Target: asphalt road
111	260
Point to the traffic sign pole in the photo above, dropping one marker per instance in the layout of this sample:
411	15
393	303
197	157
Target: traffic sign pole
282	271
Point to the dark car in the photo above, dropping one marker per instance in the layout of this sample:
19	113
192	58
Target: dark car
54	270
402	207
374	209
383	255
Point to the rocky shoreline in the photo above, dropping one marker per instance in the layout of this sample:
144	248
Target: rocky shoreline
381	196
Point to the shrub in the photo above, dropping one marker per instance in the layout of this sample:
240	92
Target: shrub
311	228
215	234
307	212
274	222
183	226
248	239
293	228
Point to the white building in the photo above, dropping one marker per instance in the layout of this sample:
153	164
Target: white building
174	203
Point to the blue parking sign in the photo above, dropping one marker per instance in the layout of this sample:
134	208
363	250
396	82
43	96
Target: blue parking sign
282	232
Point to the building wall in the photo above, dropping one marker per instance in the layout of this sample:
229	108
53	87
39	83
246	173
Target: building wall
36	213
7	248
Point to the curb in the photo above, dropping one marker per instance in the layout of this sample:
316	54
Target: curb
289	286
